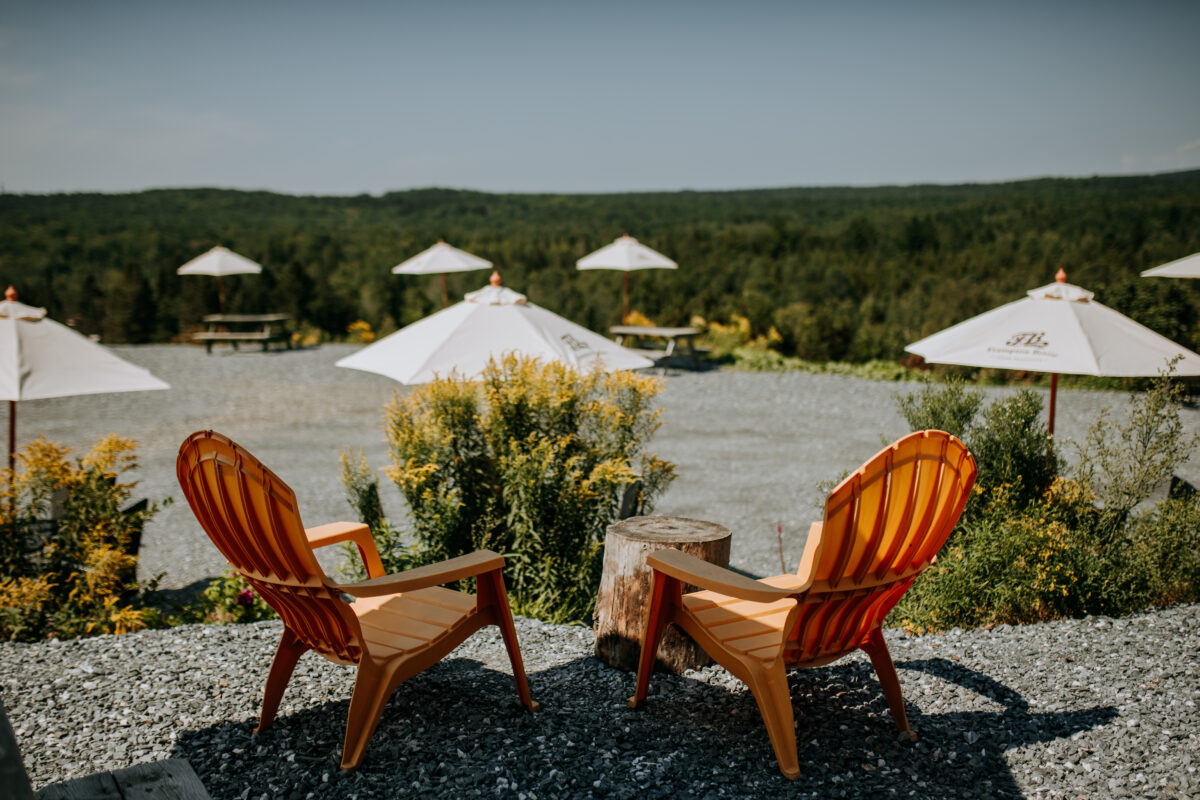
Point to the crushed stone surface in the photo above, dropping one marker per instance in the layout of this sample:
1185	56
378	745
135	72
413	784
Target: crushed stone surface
1091	708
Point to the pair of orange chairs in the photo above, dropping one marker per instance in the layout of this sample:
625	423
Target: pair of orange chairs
883	525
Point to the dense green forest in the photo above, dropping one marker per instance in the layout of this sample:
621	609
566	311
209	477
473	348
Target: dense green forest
842	273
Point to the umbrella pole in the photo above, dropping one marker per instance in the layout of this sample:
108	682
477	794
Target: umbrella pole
625	316
445	294
221	293
1053	396
12	436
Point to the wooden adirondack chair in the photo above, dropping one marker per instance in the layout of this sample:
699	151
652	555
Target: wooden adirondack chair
397	626
883	525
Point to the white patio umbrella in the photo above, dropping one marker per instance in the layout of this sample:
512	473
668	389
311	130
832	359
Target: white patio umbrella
220	261
625	254
441	258
1058	328
41	358
489	323
1186	267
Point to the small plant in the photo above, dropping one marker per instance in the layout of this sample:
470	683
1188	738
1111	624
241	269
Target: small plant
359	332
231	599
67	561
1011	444
362	492
1124	469
530	461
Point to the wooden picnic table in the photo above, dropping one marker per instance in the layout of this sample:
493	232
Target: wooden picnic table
666	339
237	328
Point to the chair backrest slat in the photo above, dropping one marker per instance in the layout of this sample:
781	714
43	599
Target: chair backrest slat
883	525
253	518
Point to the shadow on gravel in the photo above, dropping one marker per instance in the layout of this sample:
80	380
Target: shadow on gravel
456	731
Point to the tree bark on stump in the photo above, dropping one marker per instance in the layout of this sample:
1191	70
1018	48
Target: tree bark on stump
624	595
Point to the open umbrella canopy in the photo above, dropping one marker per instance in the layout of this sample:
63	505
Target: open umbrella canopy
489	323
40	358
1186	267
441	258
1057	328
626	253
219	261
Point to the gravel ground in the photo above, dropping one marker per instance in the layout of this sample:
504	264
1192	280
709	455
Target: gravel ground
750	448
1082	708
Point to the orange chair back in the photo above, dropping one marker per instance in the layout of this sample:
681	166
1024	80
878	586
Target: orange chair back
883	526
252	517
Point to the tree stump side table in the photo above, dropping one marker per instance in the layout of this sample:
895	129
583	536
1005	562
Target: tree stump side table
625	587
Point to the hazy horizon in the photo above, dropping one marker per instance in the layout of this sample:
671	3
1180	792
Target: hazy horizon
544	98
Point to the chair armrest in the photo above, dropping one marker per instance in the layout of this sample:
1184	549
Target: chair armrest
699	572
448	571
357	532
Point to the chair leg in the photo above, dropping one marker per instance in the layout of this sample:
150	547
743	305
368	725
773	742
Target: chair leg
491	586
372	688
664	594
770	690
881	659
286	655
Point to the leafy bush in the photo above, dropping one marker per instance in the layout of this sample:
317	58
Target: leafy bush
1080	546
1011	445
66	563
362	492
230	599
531	461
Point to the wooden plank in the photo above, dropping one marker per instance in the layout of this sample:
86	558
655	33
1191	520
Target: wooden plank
172	779
98	786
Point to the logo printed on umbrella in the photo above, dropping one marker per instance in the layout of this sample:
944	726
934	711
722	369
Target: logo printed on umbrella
574	343
1028	339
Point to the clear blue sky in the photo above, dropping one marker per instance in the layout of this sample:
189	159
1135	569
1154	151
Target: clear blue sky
343	98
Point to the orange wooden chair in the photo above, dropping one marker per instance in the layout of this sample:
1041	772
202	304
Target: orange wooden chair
397	626
883	525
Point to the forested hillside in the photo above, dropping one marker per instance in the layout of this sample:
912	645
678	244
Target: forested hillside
843	273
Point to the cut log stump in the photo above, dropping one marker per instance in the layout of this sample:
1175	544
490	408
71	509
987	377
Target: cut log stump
624	594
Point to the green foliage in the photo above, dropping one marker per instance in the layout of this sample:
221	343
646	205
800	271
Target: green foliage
1013	447
1011	444
761	359
66	566
530	461
843	274
1125	468
229	599
1020	558
362	492
945	407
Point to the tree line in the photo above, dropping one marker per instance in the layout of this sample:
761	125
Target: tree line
842	273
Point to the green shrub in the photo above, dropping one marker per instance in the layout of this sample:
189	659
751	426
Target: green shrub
1011	445
531	461
1021	558
229	599
1124	469
75	574
362	492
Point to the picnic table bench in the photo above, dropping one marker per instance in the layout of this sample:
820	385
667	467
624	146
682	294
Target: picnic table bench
656	342
237	328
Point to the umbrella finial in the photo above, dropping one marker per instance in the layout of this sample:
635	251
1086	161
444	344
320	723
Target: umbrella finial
10	293
495	279
1061	275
